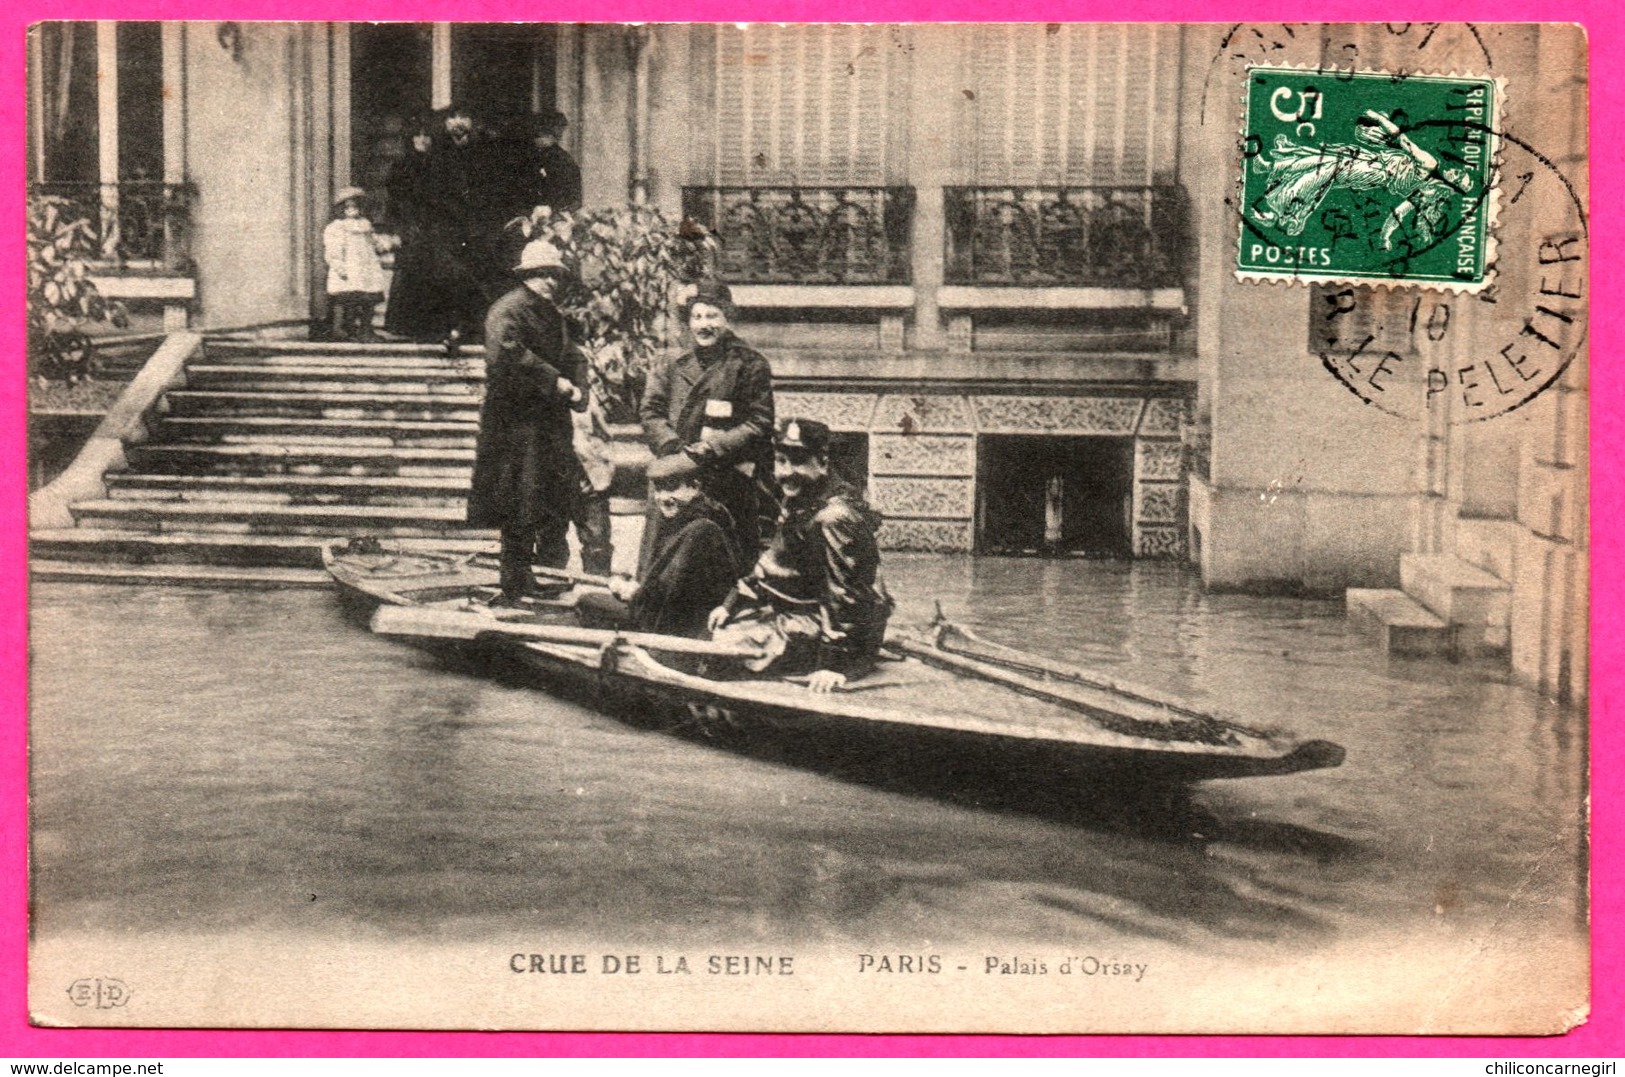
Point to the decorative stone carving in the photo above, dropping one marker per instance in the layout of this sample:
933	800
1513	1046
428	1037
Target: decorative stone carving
841	411
1164	415
1109	415
932	536
952	498
923	454
1159	542
1157	502
903	414
1157	459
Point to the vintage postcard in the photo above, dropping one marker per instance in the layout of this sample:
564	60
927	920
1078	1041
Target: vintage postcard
851	528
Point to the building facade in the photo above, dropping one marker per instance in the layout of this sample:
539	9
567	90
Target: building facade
996	259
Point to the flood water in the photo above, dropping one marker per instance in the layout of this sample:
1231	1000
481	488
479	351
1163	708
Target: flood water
215	762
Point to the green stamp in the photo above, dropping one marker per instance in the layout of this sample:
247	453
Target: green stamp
1368	177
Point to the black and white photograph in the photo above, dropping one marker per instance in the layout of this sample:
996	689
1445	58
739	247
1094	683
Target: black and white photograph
964	528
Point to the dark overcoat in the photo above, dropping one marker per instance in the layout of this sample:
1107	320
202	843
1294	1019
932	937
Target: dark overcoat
693	570
525	469
720	397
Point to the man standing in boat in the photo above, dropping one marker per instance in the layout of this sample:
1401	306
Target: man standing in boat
814	601
526	475
715	405
694	566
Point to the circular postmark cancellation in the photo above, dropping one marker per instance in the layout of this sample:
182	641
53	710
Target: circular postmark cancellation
1392	194
1416	350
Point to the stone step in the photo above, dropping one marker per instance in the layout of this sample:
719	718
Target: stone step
213	355
428	407
108	545
326	348
1460	593
445	491
287	431
236	517
1400	624
237	577
319	379
1486	543
271	459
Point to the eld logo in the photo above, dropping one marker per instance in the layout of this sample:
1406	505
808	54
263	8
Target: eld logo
103	994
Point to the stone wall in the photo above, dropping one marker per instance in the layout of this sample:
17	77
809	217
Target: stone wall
923	454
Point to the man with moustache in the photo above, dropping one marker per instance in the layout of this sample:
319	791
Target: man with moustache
715	405
814	603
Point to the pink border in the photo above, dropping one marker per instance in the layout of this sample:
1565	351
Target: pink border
1601	1036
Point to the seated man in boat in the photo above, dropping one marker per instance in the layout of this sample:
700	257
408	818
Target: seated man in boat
693	568
814	603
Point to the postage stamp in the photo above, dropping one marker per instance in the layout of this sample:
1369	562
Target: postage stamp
1237	675
1368	176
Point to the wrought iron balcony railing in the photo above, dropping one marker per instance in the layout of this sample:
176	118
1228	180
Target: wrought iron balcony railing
1097	237
807	235
138	223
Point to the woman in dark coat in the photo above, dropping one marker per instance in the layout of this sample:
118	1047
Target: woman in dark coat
526	474
416	309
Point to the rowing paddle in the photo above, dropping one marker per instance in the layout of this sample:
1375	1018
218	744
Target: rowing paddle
425	622
552	573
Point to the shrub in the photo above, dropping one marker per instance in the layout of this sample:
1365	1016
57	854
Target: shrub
630	268
61	297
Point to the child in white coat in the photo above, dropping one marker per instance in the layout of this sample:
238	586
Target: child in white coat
355	278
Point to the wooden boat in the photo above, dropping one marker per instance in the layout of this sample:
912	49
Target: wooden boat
941	694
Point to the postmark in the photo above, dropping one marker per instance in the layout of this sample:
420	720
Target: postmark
1420	352
1368	177
1459	299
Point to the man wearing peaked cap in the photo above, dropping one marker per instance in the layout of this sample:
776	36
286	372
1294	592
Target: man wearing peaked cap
814	601
526	475
715	405
694	566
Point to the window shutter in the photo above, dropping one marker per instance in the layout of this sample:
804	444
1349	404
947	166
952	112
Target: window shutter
810	105
1073	104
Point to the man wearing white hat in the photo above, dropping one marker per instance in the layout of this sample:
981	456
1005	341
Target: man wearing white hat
526	473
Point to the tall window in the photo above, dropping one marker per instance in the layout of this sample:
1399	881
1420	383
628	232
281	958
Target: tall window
802	105
64	128
1070	104
69	64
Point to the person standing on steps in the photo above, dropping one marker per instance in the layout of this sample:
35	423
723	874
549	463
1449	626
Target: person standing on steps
456	227
526	475
714	404
555	177
355	277
417	308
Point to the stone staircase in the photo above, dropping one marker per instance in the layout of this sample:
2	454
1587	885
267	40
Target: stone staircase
271	450
1454	604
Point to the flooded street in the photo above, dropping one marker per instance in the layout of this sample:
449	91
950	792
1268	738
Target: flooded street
222	763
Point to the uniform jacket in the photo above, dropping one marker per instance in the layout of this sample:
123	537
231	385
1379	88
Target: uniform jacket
351	250
824	561
524	467
693	569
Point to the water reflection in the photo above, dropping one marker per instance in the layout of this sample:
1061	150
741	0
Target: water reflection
214	761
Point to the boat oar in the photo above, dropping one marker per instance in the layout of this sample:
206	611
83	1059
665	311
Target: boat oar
552	573
574	577
432	623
